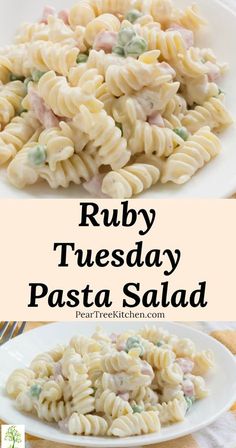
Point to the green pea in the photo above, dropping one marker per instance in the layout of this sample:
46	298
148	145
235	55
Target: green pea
137	409
131	341
119	50
133	15
35	390
37	155
189	401
16	77
134	342
136	46
82	57
159	343
125	35
182	132
37	74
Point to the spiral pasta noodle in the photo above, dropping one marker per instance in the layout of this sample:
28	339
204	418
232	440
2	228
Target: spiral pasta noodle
191	19
58	144
173	411
112	405
82	400
83	345
76	169
130	180
132	87
212	113
105	22
30	32
171	375
135	424
63	99
190	157
87	425
53	411
112	147
159	358
203	362
130	78
46	56
18	381
11	96
16	134
153	139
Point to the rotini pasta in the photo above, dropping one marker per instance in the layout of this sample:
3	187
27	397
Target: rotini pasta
135	424
159	358
130	181
16	134
151	139
212	114
191	156
117	385
46	56
19	381
105	22
102	131
87	425
134	92
11	96
203	362
53	411
75	170
112	405
173	411
30	32
63	99
83	401
58	144
131	77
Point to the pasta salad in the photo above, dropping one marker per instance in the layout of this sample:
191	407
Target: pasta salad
116	385
111	94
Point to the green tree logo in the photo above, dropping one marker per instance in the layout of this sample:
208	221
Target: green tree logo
13	436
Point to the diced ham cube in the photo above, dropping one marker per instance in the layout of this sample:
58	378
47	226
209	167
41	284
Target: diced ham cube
48	11
63	425
113	337
186	364
120	346
57	369
213	71
156	119
42	112
124	395
146	369
105	40
94	186
188	388
64	15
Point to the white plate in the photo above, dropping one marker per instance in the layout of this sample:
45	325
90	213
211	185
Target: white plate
20	351
218	178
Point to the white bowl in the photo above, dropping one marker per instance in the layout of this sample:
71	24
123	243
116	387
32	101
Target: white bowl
218	178
19	352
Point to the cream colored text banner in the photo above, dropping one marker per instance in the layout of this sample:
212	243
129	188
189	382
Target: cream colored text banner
102	259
